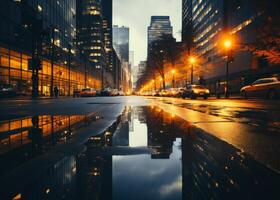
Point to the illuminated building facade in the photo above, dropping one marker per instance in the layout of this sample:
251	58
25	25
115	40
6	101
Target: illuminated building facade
90	37
94	36
56	26
203	24
187	27
107	6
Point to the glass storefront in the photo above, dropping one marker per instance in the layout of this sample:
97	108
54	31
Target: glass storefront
14	71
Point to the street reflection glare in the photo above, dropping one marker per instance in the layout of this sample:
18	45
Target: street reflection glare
145	154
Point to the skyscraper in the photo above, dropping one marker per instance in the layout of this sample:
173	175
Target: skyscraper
121	42
90	37
160	26
187	24
107	9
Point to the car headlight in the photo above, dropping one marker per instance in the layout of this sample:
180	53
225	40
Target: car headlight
207	91
196	91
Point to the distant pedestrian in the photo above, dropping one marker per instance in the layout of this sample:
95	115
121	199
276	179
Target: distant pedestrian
56	91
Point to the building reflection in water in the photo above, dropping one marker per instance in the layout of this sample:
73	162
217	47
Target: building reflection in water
145	154
24	139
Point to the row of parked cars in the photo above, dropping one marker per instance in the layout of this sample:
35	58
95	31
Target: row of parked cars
90	92
268	88
191	91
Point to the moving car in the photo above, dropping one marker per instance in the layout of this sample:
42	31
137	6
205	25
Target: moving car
262	88
194	91
88	92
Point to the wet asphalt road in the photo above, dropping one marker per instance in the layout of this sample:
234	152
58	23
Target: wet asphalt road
246	132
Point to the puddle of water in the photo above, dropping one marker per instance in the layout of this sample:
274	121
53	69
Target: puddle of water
262	118
25	138
149	154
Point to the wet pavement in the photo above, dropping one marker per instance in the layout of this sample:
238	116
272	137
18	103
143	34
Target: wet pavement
145	153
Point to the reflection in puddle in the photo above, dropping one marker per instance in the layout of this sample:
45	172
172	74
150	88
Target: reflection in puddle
25	138
149	154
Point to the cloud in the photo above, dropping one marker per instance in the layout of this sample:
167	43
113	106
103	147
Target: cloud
172	188
136	14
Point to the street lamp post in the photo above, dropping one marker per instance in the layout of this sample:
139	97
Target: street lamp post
192	61
161	80
155	84
173	79
227	45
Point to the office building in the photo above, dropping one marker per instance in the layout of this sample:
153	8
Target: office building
107	9
121	42
204	22
90	37
47	29
160	27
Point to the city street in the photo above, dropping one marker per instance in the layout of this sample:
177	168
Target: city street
161	148
178	102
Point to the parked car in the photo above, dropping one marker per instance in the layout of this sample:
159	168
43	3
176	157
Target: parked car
262	88
88	92
114	92
172	92
194	91
105	92
7	90
121	93
157	93
181	91
163	93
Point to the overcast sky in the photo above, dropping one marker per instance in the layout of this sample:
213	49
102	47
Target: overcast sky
136	14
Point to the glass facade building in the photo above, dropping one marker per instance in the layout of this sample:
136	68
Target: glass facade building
121	42
107	6
90	37
205	22
54	22
160	26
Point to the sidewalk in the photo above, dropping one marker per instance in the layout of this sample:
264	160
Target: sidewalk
20	98
242	136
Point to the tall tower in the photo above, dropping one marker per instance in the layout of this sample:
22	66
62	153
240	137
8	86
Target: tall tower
160	26
121	42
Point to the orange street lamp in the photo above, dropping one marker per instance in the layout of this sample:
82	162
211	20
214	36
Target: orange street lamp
227	44
192	61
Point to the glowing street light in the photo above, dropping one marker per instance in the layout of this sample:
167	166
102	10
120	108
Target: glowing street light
192	61
227	44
